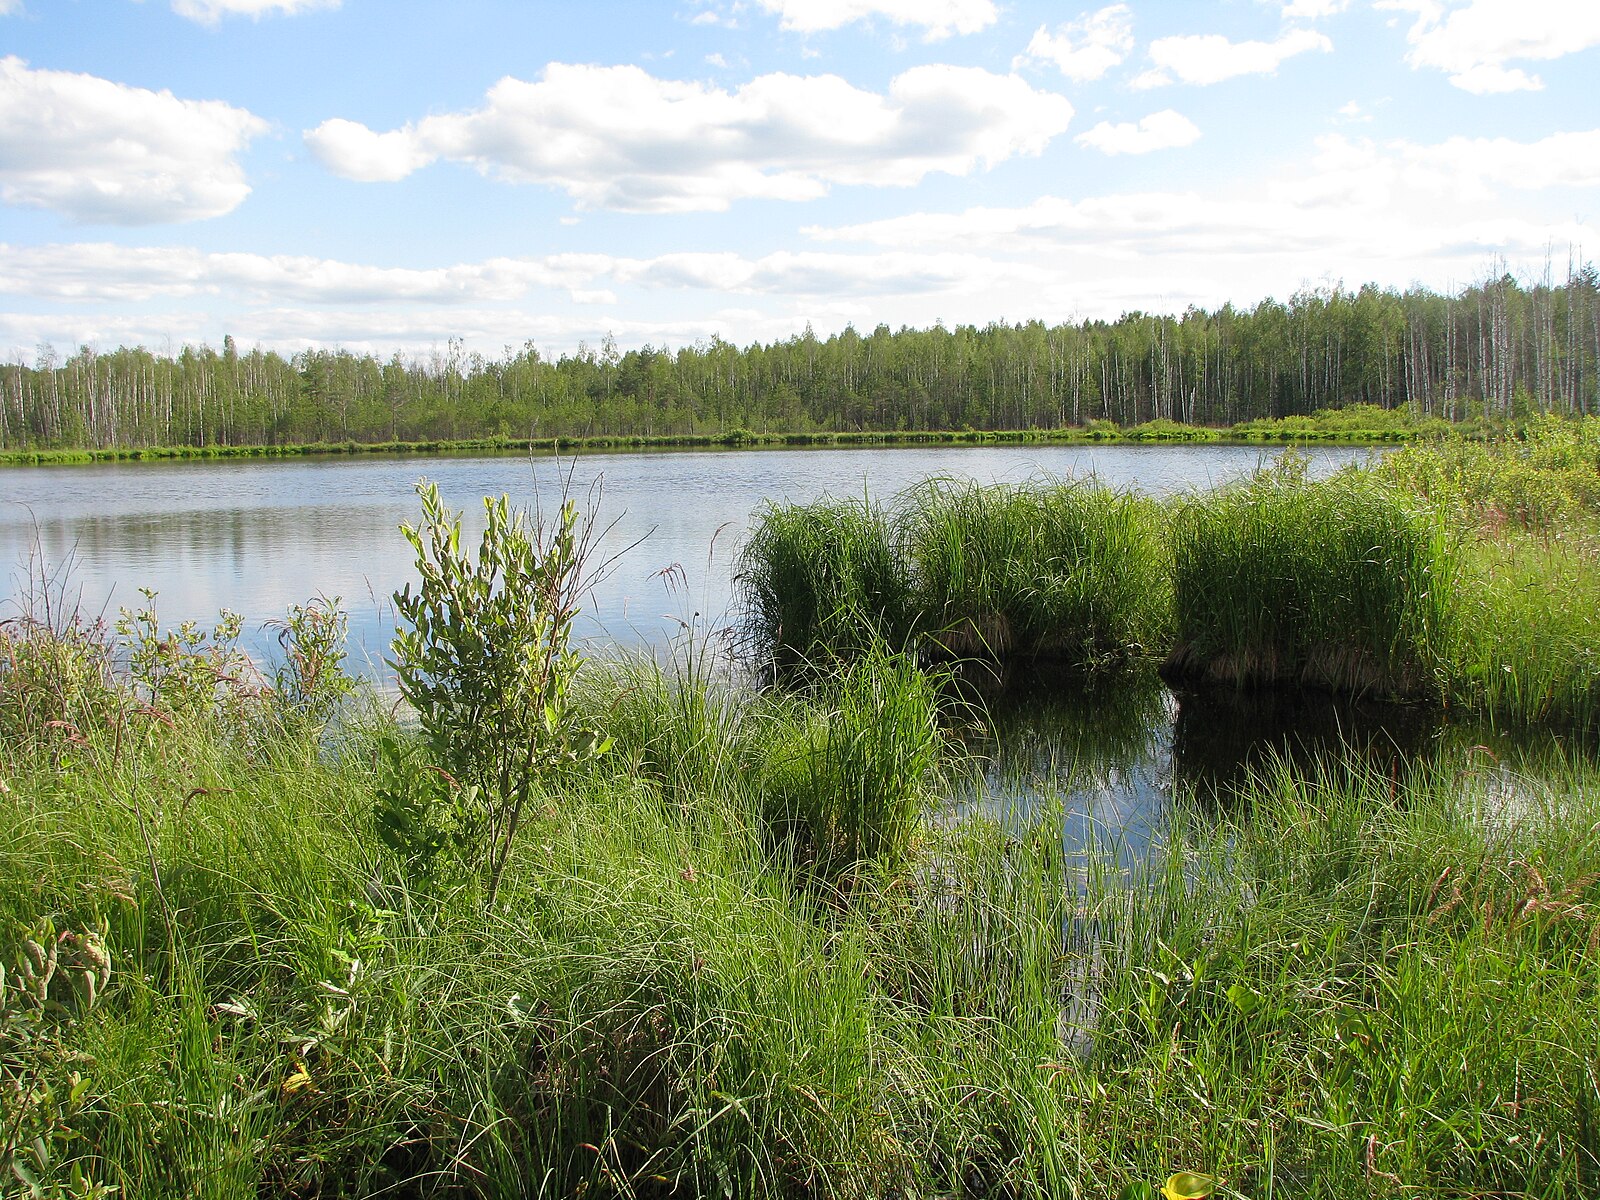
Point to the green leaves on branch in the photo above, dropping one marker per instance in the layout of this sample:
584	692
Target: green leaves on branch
487	663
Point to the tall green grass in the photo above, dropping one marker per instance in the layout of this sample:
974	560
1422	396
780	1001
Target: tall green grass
1345	583
822	580
1345	984
1057	570
1063	571
1528	638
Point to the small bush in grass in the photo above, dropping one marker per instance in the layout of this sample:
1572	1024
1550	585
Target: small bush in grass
487	664
1345	583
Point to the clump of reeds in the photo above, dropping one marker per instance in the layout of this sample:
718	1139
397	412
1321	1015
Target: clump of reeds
822	580
1062	571
1056	570
1347	584
848	771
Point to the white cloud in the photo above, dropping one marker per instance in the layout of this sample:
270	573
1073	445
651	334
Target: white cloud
1392	213
211	12
1205	59
938	18
1560	160
9	7
98	151
1085	49
350	149
1311	10
100	272
617	137
289	303
1162	130
1473	41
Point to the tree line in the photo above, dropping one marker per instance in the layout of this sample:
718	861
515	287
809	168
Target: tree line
1497	348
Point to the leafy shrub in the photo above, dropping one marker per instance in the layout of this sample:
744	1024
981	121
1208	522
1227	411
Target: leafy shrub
487	663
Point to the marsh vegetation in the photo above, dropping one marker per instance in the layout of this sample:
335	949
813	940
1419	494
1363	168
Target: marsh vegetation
261	936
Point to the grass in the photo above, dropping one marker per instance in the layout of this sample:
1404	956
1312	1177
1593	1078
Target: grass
1285	998
823	579
1346	584
1068	572
1063	571
731	958
1454	572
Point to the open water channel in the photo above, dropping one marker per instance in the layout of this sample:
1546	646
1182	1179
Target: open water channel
257	536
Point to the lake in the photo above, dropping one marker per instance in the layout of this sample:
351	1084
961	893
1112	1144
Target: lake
257	536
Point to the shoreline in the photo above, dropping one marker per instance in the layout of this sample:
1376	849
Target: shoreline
1292	431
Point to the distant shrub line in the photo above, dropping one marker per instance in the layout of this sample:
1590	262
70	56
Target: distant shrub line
1354	426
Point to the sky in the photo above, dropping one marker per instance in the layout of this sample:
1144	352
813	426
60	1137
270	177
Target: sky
391	175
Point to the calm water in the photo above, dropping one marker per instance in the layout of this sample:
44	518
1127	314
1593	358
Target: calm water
258	536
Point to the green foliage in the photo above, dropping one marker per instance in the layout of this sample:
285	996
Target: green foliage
1542	482
309	682
487	663
56	682
53	982
822	579
1346	584
1069	571
189	673
848	773
433	824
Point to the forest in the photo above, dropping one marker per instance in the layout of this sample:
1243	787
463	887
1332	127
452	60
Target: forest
1500	348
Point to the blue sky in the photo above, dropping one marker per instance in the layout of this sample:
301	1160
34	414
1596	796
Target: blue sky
387	175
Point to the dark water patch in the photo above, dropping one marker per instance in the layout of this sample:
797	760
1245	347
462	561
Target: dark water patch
1115	756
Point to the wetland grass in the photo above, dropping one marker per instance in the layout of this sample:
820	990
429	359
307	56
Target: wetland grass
660	1004
1061	571
728	958
822	580
1345	584
1065	572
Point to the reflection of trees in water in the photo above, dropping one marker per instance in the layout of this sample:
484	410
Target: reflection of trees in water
1093	752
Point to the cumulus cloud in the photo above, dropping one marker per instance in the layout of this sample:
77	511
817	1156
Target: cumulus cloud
1205	59
1397	211
211	12
938	18
1310	10
98	151
1085	49
100	272
1162	130
620	138
1475	40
